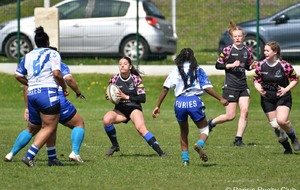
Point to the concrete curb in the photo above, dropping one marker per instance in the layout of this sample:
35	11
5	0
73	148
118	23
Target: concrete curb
148	70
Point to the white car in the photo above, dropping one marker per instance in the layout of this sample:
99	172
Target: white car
106	27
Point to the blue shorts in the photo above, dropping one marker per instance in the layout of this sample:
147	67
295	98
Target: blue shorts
192	106
42	100
67	109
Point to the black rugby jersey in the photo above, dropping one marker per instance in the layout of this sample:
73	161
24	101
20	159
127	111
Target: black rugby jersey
131	86
235	78
272	76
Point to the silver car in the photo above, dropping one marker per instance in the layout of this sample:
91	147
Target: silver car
283	27
99	27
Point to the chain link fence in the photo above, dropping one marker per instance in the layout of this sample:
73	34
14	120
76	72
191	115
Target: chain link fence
199	24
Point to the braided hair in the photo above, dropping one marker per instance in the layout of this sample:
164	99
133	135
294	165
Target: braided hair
187	55
41	38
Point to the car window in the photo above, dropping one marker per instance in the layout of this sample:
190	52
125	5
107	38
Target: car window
152	10
109	8
294	13
73	10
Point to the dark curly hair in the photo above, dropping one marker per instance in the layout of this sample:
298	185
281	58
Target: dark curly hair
187	54
41	38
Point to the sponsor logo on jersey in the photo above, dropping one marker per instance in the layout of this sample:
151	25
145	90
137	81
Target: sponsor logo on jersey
245	55
278	74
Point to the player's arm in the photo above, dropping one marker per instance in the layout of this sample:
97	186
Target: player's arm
26	112
60	81
71	82
163	94
22	79
214	94
138	98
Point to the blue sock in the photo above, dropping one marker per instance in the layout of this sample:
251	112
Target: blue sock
148	136
185	155
151	140
211	124
51	151
21	141
77	136
201	143
112	134
292	135
32	151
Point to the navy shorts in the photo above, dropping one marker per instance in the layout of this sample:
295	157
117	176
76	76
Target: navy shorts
234	95
192	106
270	104
127	110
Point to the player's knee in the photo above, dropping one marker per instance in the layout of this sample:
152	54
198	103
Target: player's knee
107	121
33	129
274	124
230	117
204	130
282	122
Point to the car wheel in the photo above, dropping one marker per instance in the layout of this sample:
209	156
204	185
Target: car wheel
251	42
11	46
128	48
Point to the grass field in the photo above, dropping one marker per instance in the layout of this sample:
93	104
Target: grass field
259	165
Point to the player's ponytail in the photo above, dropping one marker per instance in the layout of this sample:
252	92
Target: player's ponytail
41	38
133	70
186	55
232	27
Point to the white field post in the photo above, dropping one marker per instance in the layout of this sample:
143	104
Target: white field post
48	18
46	3
174	21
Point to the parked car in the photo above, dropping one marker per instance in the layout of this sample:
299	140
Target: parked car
99	27
283	27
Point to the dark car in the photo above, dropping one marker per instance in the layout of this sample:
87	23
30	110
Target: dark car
283	27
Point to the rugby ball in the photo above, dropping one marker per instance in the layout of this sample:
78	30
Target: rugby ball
112	92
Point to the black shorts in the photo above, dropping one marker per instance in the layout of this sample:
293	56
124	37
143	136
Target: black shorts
270	104
127	110
53	110
234	95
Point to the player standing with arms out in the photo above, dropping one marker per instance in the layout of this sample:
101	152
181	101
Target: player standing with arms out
132	93
190	81
235	59
42	67
68	117
273	79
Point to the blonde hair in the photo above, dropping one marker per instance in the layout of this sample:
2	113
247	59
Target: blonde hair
232	27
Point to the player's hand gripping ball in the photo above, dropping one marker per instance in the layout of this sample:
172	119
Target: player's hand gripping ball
112	93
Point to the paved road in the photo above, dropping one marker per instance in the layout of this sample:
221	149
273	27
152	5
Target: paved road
148	70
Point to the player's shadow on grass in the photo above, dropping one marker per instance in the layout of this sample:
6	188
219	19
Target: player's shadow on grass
139	155
207	165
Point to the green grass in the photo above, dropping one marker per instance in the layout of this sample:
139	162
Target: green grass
136	166
199	24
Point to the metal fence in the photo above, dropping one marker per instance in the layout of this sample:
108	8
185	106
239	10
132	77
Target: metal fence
199	24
